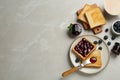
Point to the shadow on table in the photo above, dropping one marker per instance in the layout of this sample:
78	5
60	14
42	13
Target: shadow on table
108	16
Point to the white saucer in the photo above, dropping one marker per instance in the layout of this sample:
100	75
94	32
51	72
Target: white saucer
105	54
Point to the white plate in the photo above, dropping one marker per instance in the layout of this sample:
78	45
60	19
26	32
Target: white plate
105	54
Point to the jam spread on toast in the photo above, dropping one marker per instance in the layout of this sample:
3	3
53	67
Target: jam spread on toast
84	47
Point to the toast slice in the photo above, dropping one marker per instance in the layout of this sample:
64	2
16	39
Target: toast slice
81	16
95	17
86	8
98	63
83	48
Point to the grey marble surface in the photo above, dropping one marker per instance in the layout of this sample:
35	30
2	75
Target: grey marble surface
34	42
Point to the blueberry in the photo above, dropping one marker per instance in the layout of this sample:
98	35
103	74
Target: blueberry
105	37
108	43
100	41
119	27
77	60
106	30
113	37
115	28
115	24
95	42
100	48
118	22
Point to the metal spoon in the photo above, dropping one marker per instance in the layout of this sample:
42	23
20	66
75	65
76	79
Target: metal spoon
66	73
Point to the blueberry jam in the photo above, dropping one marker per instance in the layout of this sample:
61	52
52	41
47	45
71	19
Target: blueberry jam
75	29
116	26
116	48
93	59
84	47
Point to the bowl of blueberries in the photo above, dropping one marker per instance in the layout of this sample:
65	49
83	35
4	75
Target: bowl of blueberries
116	27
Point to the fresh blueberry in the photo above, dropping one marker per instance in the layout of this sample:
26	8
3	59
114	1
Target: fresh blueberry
77	60
113	37
100	48
100	41
105	37
108	43
95	42
106	30
115	28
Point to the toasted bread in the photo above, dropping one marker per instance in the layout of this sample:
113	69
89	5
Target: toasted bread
98	63
78	12
86	26
81	52
86	8
95	17
81	16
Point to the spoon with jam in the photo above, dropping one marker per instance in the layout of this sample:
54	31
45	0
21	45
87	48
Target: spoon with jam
88	61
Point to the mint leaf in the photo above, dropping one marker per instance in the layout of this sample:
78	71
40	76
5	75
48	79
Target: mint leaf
70	27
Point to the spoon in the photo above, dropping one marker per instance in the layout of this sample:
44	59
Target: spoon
88	61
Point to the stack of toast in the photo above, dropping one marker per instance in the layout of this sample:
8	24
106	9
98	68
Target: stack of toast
92	18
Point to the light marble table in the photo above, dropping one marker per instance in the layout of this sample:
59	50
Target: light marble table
34	43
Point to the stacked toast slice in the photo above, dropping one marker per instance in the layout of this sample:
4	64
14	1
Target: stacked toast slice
92	18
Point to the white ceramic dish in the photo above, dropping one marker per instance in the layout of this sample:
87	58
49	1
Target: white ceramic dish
116	33
104	53
112	7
